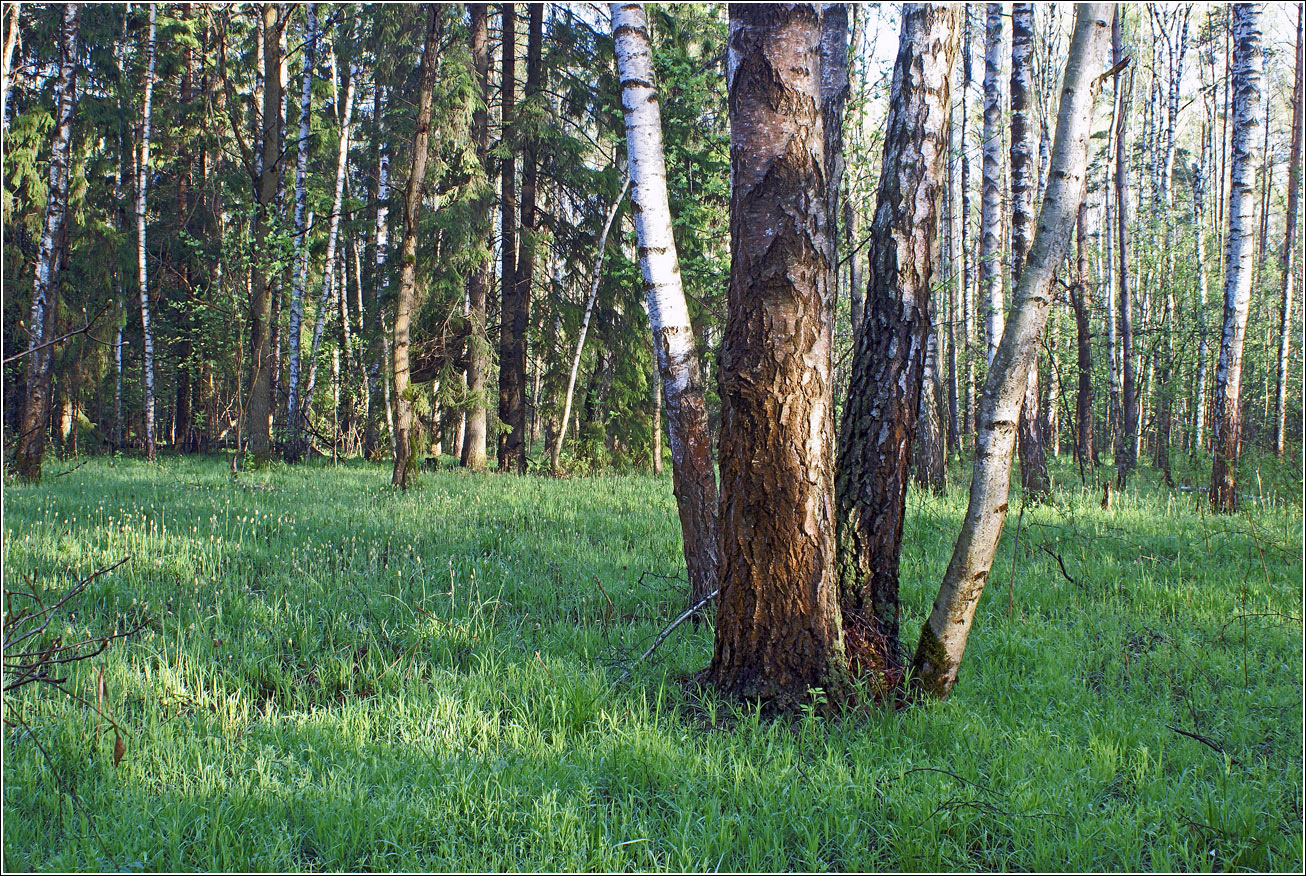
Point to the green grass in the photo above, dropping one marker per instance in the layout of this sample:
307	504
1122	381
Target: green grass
337	677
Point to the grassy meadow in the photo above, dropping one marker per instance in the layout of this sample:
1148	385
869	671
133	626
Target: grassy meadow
338	677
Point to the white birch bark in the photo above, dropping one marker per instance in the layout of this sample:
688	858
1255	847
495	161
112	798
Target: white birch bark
294	440
943	637
1240	252
11	40
595	279
991	199
142	185
691	454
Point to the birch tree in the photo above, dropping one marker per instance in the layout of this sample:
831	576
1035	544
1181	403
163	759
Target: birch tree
693	479
1287	258
142	187
943	637
991	197
1126	448
294	411
1239	253
30	446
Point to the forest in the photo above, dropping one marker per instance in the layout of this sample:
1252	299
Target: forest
669	436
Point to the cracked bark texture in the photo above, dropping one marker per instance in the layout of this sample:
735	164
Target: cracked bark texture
778	631
943	637
884	390
693	480
1239	254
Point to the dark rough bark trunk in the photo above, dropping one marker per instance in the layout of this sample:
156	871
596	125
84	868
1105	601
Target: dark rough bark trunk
406	300
880	412
30	446
511	388
1239	255
478	285
1085	452
778	631
258	423
943	637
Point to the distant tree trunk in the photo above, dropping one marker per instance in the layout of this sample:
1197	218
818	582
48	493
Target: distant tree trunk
1085	454
142	186
657	424
1286	260
373	327
778	631
1203	353
931	471
1034	478
512	371
884	392
1239	255
1126	448
595	281
991	202
943	637
693	480
478	285
953	279
967	259
406	300
834	97
511	389
294	415
6	76
30	446
258	424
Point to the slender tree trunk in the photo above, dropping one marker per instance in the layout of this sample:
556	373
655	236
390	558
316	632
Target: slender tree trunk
1239	254
943	637
931	471
953	280
258	423
30	446
693	479
1203	352
991	202
778	629
374	330
510	387
967	259
295	445
1286	260
595	281
6	76
406	300
142	186
834	97
478	285
884	392
1126	448
1085	454
1034	478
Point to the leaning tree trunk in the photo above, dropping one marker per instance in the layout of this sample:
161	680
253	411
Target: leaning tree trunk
1034	478
1286	260
595	281
884	391
294	415
406	300
1239	254
478	284
45	290
258	424
693	480
142	186
1125	448
778	632
991	199
943	637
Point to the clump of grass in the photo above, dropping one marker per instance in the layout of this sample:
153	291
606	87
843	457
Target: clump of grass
338	676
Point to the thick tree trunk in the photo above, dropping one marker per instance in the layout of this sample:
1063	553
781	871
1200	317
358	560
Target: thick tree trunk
991	200
693	479
406	300
778	629
511	389
1126	447
1239	254
295	445
30	447
142	186
1286	259
884	392
595	281
943	637
478	285
258	423
1034	479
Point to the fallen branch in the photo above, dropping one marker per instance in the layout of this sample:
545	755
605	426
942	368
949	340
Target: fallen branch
662	637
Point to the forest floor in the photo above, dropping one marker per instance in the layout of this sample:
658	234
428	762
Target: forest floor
337	677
